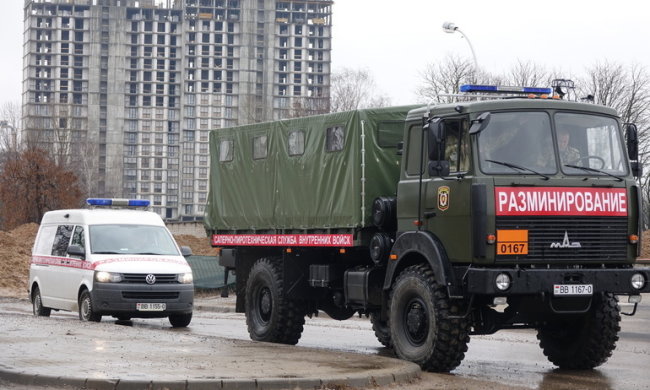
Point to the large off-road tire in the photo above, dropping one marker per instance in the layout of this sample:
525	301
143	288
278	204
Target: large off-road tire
87	310
585	341
420	327
381	329
270	315
180	320
37	304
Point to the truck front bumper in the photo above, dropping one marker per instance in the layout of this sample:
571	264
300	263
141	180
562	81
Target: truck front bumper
122	299
535	281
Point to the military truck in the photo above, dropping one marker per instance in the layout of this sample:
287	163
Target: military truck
437	222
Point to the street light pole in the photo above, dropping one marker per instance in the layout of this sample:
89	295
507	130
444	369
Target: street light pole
451	28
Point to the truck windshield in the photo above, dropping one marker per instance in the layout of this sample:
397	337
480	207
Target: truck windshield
521	143
132	240
591	142
517	143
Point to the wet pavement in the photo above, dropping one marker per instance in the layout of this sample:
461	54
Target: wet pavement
59	351
215	352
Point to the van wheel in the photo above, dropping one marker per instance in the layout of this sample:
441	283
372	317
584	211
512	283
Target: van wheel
421	330
270	315
180	320
86	308
37	304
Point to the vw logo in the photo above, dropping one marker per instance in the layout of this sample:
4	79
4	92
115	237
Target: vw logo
151	279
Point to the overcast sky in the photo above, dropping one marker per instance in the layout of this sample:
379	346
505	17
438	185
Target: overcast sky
394	40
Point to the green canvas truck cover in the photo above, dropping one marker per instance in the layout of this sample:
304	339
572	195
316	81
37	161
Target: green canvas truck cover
311	173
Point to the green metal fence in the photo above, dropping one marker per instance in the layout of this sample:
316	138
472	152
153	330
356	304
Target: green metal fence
208	274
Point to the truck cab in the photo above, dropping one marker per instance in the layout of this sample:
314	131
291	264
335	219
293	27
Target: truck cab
527	213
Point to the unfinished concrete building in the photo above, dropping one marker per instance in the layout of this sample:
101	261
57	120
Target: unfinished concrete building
125	92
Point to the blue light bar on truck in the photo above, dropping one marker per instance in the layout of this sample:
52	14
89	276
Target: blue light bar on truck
502	89
117	202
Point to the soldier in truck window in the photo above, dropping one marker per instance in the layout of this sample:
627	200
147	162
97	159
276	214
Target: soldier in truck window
568	154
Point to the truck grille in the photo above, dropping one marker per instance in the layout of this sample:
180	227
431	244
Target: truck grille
141	278
601	239
151	295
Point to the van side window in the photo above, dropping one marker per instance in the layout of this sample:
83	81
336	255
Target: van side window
44	241
335	138
78	237
61	240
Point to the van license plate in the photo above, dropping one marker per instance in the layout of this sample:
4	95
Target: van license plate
573	289
150	306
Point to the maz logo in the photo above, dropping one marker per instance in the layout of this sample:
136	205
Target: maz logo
566	243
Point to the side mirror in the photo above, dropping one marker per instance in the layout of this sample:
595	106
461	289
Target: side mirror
186	251
632	141
480	123
436	138
436	134
439	168
76	251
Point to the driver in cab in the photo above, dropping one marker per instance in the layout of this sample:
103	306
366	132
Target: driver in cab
568	154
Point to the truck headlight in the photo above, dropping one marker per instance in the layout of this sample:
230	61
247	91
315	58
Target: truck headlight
185	278
637	281
107	277
502	281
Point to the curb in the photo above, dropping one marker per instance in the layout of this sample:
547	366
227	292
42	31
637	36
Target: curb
408	372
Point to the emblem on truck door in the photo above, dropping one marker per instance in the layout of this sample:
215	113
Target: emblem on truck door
443	198
566	243
151	279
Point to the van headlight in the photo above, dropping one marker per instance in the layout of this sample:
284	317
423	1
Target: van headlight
107	277
185	278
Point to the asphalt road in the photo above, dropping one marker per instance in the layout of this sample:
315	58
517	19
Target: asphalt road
508	359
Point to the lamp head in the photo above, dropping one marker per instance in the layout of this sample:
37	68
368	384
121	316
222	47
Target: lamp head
449	27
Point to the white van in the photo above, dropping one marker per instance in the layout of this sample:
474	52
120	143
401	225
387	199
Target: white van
107	261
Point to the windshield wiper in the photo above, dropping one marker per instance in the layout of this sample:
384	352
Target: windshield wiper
589	169
106	253
148	253
517	167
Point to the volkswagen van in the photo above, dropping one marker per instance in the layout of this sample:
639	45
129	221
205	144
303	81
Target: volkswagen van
112	259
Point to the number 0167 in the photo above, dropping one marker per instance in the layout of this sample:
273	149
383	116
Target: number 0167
512	248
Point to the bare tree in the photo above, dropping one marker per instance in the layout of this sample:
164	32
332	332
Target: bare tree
443	80
31	183
353	89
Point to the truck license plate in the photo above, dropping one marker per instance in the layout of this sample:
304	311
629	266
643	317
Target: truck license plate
150	306
573	289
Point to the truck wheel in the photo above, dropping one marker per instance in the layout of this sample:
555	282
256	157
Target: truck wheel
270	315
37	304
381	329
586	341
420	329
86	308
180	320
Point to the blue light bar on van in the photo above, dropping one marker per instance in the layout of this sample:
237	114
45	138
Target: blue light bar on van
117	202
502	89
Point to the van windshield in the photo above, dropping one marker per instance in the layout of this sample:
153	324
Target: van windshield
131	240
